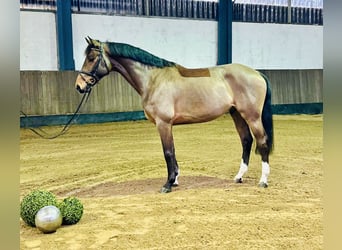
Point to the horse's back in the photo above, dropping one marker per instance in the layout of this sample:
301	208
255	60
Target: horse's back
197	72
236	70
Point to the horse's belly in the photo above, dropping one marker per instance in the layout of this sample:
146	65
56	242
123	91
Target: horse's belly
200	111
188	118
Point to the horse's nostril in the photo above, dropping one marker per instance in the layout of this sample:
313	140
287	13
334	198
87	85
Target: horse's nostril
78	88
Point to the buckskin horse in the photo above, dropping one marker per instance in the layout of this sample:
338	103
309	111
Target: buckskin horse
172	94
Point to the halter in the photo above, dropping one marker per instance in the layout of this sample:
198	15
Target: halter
93	74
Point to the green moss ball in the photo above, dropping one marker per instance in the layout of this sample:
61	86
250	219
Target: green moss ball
34	201
71	209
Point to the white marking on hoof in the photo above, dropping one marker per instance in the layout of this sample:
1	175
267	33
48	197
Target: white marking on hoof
264	174
243	169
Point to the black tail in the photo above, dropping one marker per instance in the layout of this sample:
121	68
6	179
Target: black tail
266	117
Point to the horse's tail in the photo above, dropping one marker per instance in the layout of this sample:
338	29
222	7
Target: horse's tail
266	117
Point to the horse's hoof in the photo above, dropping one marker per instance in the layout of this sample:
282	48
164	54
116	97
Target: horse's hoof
175	184
165	190
263	185
238	180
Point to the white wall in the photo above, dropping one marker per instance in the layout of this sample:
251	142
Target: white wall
278	46
38	43
192	43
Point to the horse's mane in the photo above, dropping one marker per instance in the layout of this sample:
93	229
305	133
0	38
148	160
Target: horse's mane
137	54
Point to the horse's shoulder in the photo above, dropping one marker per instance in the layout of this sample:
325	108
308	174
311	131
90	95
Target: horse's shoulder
200	72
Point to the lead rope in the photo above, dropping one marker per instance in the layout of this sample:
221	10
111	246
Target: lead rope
43	134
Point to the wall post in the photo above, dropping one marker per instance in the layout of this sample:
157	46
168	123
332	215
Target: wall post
225	19
64	35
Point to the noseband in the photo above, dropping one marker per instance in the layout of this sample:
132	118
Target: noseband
93	74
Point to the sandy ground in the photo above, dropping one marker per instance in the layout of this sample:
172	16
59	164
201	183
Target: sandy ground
117	169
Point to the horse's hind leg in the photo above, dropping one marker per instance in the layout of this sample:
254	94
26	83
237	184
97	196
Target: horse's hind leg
165	132
262	148
246	141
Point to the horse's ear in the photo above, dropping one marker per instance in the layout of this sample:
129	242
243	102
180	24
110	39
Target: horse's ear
89	40
93	42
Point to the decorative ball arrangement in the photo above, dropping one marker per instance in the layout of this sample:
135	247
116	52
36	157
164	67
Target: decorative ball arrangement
41	209
72	210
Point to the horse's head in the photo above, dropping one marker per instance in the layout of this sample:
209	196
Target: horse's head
96	65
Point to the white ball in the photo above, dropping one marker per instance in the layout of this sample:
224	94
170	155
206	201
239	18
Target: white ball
48	219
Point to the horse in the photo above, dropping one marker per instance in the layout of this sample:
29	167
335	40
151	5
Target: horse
172	94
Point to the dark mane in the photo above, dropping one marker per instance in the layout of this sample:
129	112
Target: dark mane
137	54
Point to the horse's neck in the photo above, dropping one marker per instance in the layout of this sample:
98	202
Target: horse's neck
135	73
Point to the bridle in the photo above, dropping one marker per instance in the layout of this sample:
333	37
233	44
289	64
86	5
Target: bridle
94	72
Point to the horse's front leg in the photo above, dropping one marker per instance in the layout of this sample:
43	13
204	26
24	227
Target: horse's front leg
165	132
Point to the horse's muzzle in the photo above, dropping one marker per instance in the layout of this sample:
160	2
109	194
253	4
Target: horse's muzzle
87	89
82	85
79	89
